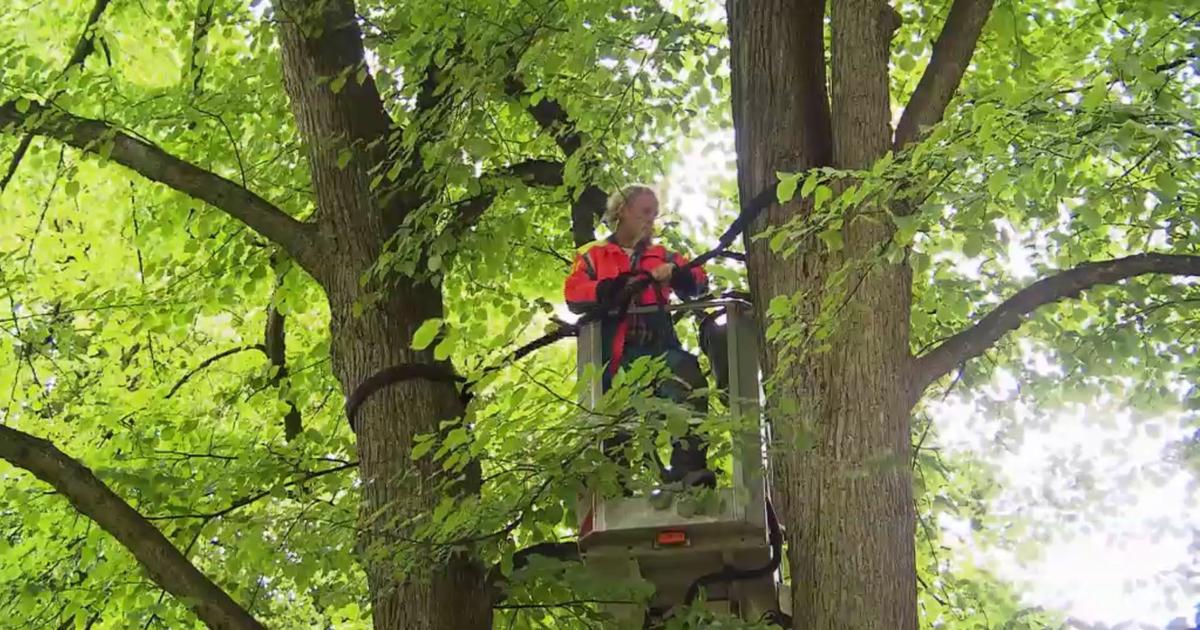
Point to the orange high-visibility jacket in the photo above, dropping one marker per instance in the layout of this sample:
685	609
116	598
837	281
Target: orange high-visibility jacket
604	260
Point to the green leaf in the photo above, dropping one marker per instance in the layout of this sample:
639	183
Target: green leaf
1166	182
338	82
455	438
1097	94
344	158
480	147
422	445
775	237
445	347
822	194
832	239
780	306
810	183
973	246
395	169
1002	21
458	174
906	228
787	187
997	183
426	333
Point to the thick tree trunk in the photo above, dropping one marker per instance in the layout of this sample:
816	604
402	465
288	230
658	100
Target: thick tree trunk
395	489
322	40
841	463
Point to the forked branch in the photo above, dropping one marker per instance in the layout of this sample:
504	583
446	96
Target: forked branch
166	565
952	54
1011	313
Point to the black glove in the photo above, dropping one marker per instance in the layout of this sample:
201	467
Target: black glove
609	290
683	282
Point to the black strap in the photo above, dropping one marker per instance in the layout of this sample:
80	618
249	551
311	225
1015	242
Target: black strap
436	372
442	373
589	269
730	574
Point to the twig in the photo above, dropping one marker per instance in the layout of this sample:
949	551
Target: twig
251	498
209	361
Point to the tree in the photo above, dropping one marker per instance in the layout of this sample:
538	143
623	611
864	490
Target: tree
212	203
376	196
846	389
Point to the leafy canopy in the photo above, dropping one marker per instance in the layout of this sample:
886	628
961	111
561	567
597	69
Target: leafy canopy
1072	139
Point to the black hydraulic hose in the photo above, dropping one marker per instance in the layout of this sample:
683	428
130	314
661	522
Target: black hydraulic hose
731	574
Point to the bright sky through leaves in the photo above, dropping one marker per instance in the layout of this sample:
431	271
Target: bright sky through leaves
135	319
1127	550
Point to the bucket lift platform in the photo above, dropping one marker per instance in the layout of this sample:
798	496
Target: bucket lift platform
673	548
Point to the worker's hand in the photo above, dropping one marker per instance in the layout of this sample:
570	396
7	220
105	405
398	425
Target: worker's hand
608	291
662	273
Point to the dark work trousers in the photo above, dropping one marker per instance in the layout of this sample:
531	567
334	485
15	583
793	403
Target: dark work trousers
689	452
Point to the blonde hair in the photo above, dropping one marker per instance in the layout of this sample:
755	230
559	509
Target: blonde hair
620	199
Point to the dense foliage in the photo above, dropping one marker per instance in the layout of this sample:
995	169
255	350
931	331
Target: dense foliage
141	327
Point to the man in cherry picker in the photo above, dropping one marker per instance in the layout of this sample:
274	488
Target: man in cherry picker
602	270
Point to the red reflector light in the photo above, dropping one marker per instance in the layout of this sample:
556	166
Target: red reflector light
671	538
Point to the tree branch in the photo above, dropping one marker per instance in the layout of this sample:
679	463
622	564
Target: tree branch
209	361
84	47
951	54
1010	314
168	567
242	502
537	172
103	139
1171	65
87	39
553	119
275	347
433	105
322	39
550	116
584	211
15	162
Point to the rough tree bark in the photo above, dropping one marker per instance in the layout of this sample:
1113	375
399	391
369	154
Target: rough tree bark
322	39
841	460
